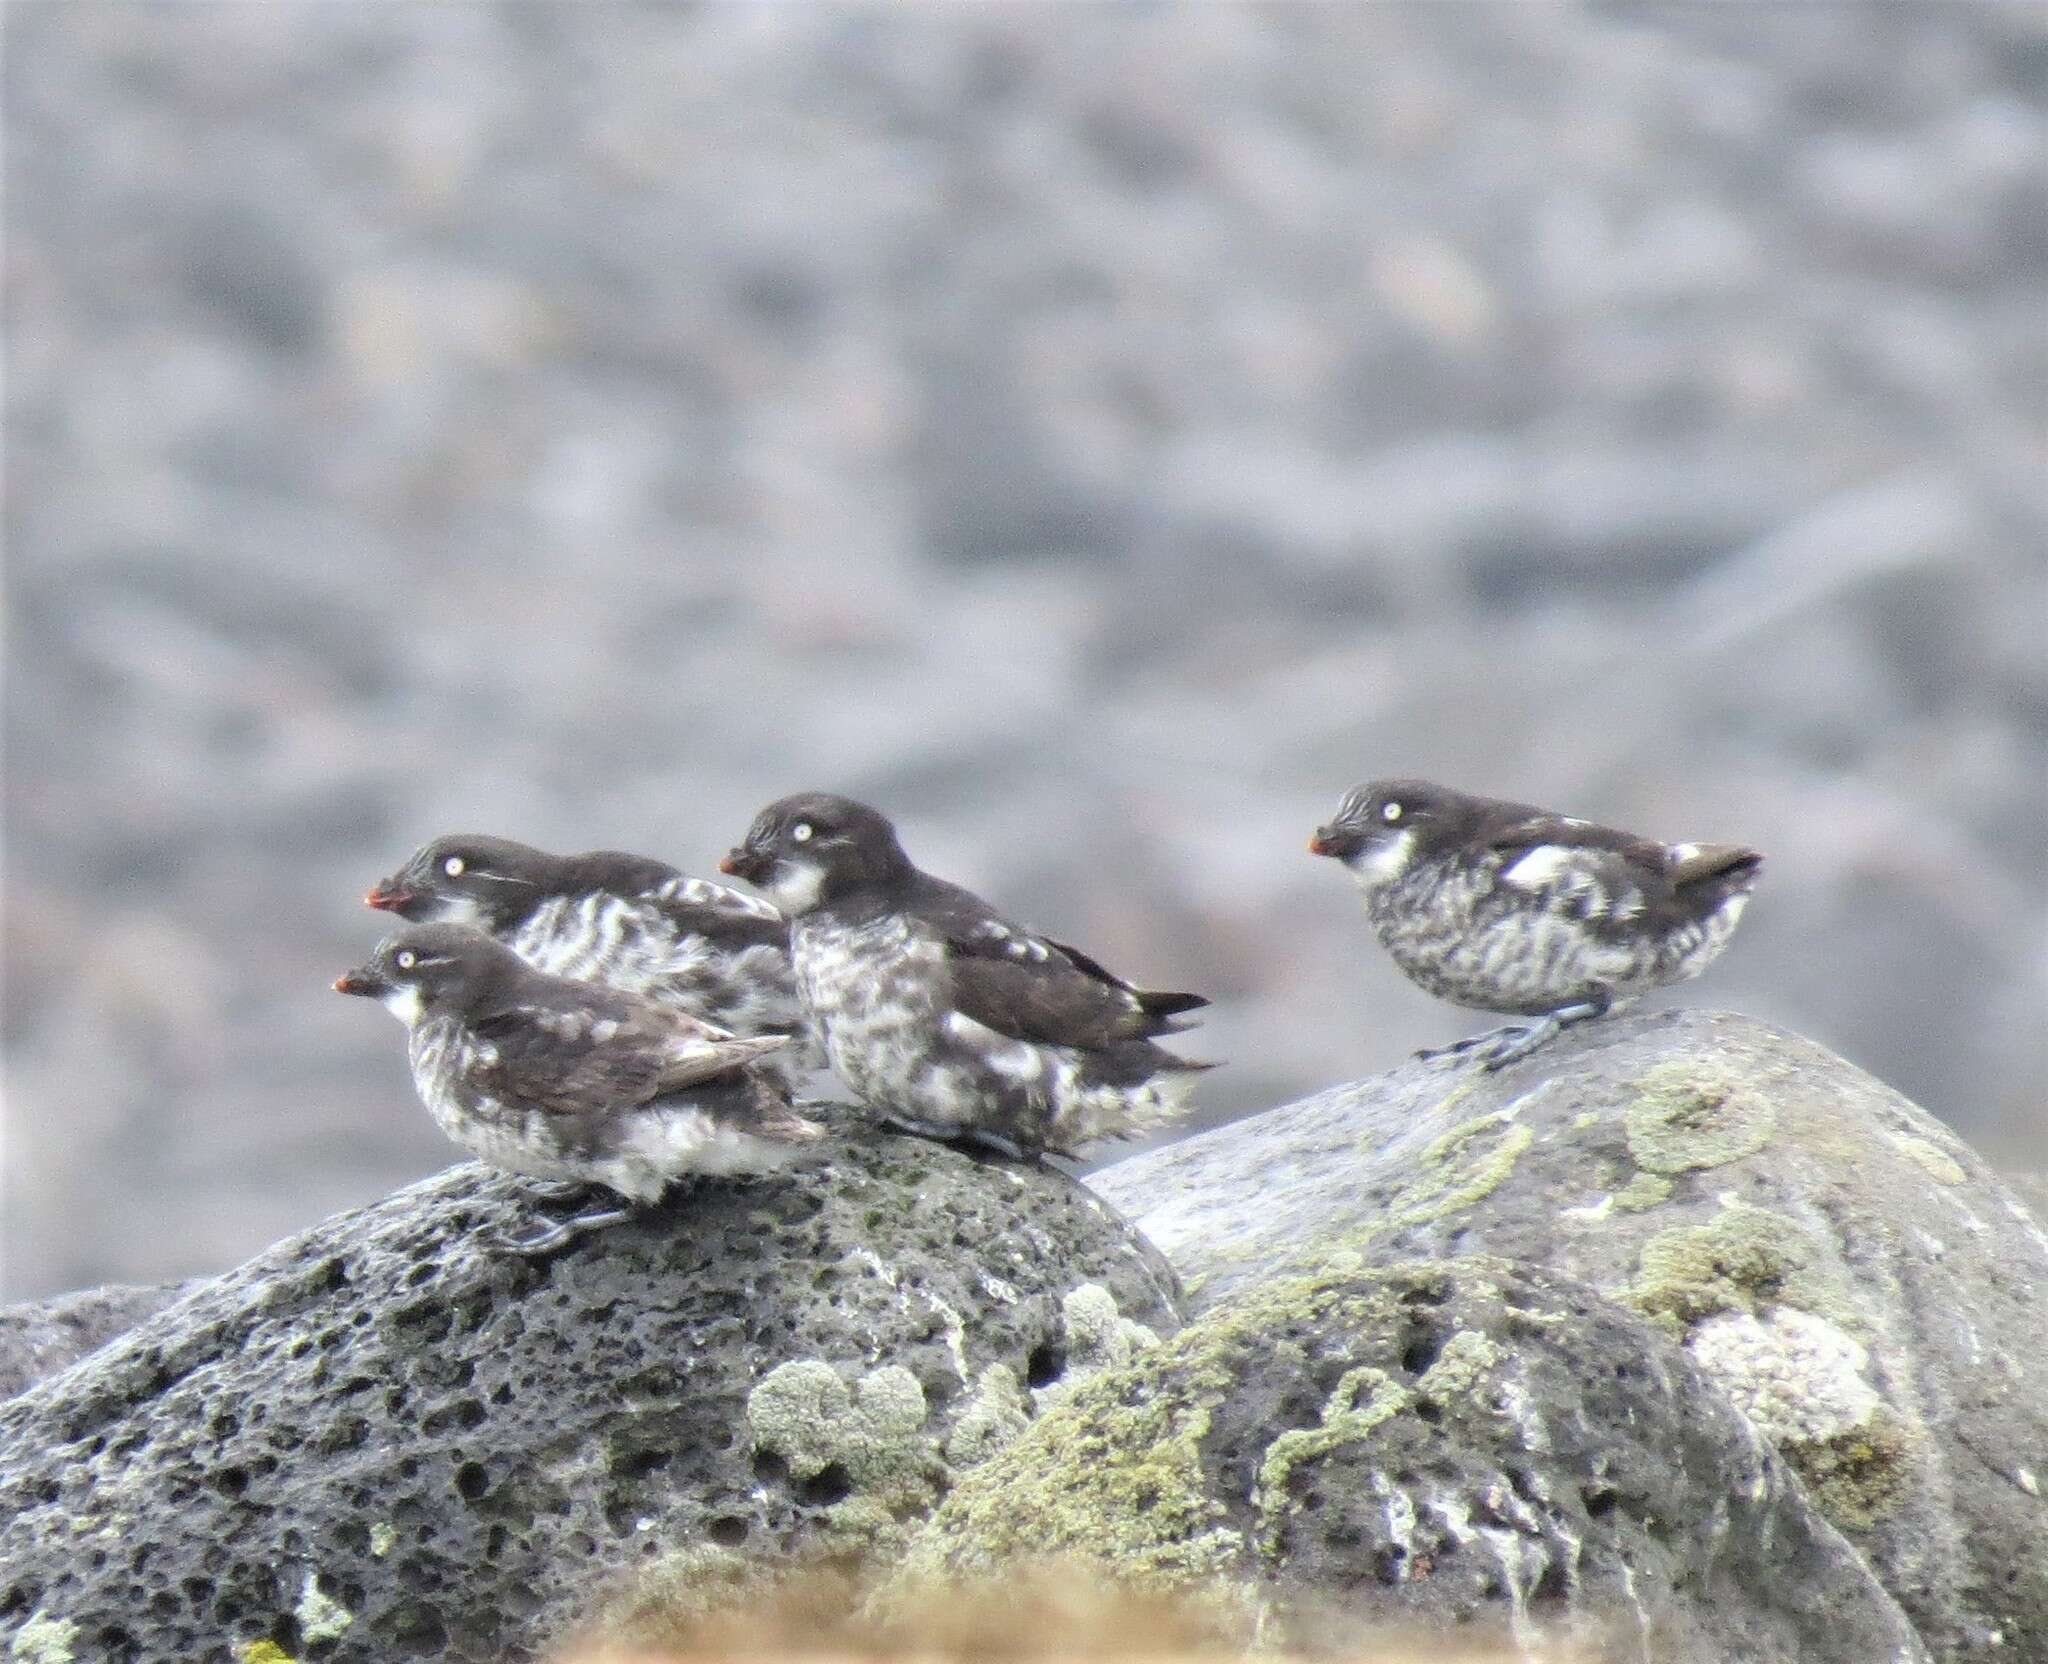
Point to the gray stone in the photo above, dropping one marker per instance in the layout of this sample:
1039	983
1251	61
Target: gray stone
1455	1443
40	1337
385	1441
1858	1281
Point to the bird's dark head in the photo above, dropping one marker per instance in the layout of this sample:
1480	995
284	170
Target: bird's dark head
431	967
806	850
1382	827
466	879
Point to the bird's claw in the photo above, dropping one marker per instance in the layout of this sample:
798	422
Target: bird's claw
941	1133
560	1233
1496	1048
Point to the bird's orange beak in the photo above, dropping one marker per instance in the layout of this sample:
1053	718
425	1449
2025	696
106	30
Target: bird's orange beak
355	982
387	897
1320	844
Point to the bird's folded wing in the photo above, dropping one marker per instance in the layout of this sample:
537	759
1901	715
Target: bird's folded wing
1033	988
549	1062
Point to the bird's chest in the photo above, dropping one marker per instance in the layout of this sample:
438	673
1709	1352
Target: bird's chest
445	1056
604	938
872	990
1467	932
442	1055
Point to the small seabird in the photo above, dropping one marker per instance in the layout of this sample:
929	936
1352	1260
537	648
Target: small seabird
942	1016
626	921
572	1081
1510	908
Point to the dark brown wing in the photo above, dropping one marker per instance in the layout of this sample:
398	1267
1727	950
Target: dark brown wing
555	1061
1033	988
1671	882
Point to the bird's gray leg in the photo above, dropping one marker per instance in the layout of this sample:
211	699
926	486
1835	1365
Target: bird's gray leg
561	1232
1498	1047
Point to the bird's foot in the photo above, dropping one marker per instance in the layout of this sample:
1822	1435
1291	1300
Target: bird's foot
562	1190
945	1133
1498	1047
561	1232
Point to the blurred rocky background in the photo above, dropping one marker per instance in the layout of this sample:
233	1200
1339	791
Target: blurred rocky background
1097	435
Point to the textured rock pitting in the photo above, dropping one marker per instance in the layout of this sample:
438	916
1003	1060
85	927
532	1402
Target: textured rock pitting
1854	1278
382	1441
1439	1443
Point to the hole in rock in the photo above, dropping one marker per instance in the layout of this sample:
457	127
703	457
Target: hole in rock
1046	1363
829	1485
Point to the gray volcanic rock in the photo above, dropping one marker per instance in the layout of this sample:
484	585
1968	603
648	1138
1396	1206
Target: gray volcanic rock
1858	1281
1440	1443
40	1337
384	1441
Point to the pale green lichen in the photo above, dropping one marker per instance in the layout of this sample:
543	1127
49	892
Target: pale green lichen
1743	1260
265	1652
1456	1174
989	1420
1861	1476
1643	1192
1096	1336
43	1639
1344	1421
1586	1120
1684	1116
675	1589
321	1618
1930	1158
1467	1356
383	1539
1114	1472
873	1433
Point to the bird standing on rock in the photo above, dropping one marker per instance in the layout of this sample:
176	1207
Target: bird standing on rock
572	1081
1505	907
626	921
942	1016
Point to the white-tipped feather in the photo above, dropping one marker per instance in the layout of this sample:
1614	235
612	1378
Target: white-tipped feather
1539	868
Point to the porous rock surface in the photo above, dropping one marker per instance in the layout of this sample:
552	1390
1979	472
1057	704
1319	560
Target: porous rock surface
1856	1280
40	1337
1438	1443
385	1441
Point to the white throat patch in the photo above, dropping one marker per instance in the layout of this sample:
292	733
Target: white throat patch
406	1003
794	886
1382	863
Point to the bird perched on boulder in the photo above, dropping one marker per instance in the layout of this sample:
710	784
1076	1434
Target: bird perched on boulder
627	921
941	1015
1510	908
573	1081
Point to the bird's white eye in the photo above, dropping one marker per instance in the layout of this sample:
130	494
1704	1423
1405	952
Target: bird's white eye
453	866
1391	811
407	959
801	832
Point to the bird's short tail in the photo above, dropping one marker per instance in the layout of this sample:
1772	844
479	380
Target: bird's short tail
1716	866
1156	1003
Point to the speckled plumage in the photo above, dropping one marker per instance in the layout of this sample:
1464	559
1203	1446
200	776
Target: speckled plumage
942	1016
566	1080
1505	907
629	922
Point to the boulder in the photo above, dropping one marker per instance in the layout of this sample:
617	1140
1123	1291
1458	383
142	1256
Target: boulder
387	1440
1438	1445
1853	1278
40	1337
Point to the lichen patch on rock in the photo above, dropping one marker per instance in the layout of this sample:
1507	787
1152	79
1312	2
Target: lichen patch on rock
1687	1116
